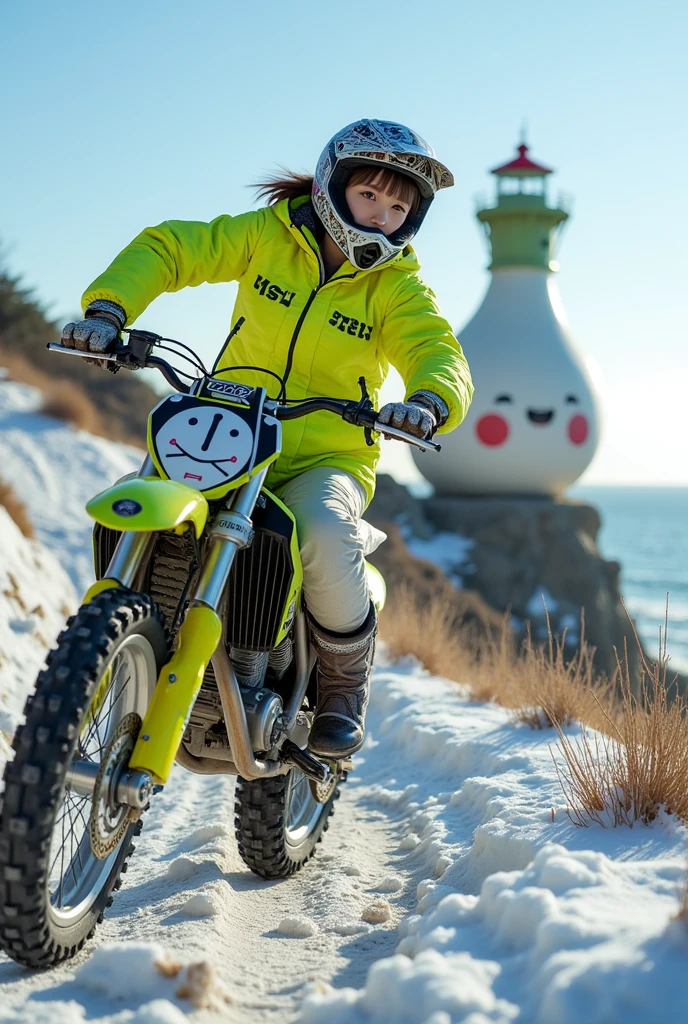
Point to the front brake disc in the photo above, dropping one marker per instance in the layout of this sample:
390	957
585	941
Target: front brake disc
110	818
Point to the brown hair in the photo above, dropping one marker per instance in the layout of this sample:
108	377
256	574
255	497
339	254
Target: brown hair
286	185
290	185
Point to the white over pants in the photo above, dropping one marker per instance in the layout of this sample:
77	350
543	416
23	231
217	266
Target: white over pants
333	538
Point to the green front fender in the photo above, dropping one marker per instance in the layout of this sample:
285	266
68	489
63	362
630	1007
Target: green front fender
146	504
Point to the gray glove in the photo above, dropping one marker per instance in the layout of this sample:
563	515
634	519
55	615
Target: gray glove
99	329
421	415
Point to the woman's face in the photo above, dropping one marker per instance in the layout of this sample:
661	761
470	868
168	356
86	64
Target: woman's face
371	207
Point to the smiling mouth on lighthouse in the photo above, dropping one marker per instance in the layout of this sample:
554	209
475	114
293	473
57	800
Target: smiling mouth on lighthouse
535	416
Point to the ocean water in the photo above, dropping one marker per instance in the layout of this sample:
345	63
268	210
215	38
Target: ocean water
646	530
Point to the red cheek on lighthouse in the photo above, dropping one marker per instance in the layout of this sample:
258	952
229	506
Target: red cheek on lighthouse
578	429
492	430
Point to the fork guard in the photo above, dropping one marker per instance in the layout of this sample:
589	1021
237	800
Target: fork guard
178	684
148	504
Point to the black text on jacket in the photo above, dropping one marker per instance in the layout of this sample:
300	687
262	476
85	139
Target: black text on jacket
351	326
273	291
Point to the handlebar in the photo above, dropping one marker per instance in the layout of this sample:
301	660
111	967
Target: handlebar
137	355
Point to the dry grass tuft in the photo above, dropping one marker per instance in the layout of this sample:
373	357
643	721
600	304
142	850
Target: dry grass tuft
67	401
62	398
540	684
430	633
640	764
15	509
556	688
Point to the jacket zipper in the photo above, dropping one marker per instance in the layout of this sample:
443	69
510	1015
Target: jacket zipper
302	317
292	343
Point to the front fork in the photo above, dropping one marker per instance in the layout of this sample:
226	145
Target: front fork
199	641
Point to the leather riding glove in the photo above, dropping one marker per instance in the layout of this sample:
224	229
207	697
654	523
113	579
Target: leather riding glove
99	329
421	414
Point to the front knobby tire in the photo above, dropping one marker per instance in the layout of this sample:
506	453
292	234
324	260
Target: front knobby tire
279	822
53	889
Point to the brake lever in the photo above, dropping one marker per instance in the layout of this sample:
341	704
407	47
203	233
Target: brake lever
108	357
418	442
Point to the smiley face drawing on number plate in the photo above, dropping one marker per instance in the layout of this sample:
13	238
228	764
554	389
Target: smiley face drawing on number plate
204	446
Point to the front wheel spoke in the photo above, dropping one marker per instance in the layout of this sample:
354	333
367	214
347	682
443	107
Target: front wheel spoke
63	811
70	865
93	724
79	808
92	733
113	704
59	888
57	852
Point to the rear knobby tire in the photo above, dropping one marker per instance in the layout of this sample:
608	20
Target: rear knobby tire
279	823
108	651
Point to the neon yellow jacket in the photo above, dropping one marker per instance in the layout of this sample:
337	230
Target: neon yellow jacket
321	337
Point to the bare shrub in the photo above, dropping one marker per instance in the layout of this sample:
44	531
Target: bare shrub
641	764
15	509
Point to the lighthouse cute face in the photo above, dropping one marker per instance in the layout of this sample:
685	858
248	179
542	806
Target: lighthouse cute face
203	445
494	427
525	433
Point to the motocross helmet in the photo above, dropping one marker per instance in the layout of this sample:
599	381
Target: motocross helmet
383	144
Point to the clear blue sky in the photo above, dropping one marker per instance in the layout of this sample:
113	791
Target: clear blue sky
116	116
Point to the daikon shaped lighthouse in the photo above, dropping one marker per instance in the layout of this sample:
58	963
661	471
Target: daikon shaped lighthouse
533	425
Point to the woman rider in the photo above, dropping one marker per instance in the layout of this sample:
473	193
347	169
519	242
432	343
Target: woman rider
330	291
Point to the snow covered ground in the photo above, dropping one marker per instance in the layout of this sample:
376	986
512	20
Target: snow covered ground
451	887
54	470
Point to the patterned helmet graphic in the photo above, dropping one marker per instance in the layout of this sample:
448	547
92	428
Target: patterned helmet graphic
381	144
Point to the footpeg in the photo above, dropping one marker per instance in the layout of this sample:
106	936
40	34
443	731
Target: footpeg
309	765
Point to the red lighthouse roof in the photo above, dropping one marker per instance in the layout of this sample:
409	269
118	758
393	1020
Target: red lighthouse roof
521	167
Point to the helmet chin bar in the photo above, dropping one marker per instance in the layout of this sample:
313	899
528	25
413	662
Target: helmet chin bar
366	256
372	252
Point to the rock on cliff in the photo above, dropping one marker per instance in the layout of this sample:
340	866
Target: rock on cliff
522	555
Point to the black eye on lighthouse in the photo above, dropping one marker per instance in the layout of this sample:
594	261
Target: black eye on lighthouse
572	400
234	433
503	398
193	421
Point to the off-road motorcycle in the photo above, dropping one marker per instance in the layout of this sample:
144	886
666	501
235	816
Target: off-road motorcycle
191	646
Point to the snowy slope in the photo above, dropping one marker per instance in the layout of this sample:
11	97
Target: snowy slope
55	469
31	615
451	887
